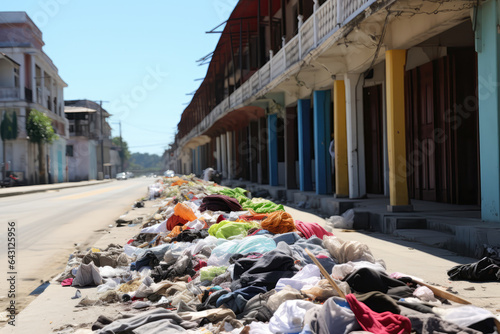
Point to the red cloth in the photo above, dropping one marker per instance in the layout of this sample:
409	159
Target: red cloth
310	229
221	218
378	323
200	265
175	220
67	282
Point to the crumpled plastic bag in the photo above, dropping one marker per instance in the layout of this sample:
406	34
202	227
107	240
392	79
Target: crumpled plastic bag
306	278
345	251
345	221
289	317
221	254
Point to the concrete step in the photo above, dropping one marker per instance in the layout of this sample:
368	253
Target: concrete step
427	237
393	223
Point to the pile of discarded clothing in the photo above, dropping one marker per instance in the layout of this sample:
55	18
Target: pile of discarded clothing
212	260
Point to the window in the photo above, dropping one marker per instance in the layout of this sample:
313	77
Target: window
69	150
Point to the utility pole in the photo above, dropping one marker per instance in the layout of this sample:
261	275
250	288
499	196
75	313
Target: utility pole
122	160
102	140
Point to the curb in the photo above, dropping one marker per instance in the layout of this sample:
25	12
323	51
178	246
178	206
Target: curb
40	190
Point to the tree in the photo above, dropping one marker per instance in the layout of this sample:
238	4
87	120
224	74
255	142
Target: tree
40	131
8	131
124	151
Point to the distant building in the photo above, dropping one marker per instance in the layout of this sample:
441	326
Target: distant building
89	146
30	80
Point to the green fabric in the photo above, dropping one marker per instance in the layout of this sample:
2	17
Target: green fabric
210	272
258	205
226	229
261	205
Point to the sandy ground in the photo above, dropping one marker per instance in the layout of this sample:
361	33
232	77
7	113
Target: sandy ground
55	311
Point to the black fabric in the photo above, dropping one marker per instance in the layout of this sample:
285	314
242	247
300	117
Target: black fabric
256	308
264	271
147	259
182	266
191	235
485	326
366	280
209	301
101	322
237	300
379	302
419	307
486	269
220	203
431	324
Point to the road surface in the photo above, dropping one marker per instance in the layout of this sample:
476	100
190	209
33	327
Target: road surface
50	224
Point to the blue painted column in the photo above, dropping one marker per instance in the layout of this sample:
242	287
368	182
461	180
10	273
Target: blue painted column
272	142
322	132
487	47
304	129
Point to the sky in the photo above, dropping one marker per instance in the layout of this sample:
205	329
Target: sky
137	56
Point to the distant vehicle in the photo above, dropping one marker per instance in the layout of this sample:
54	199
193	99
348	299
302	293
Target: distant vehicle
121	176
11	180
130	175
169	173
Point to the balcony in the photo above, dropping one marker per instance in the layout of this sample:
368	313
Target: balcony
323	23
9	93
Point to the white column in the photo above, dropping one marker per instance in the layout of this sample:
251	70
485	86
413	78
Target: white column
230	158
223	145
355	135
218	154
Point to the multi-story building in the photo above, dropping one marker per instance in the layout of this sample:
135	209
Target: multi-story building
30	80
88	150
408	90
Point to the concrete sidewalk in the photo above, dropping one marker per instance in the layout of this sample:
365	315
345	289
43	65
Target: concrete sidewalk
457	228
21	190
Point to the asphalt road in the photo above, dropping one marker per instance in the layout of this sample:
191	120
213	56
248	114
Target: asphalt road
50	224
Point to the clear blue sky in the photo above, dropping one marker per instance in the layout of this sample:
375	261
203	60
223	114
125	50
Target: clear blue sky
140	56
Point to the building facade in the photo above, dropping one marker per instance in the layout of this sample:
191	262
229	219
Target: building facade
407	90
89	148
30	80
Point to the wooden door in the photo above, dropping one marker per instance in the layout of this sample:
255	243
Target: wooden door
372	119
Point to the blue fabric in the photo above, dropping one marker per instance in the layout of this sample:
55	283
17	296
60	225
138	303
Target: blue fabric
290	238
237	299
148	259
315	245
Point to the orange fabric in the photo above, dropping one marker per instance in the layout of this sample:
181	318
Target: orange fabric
176	231
278	222
183	211
175	220
179	183
252	215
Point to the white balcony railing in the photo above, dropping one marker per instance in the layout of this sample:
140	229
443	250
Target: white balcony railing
323	23
9	93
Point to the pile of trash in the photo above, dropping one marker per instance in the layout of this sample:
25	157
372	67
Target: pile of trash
212	260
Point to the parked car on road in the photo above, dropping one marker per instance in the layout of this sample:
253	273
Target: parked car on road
169	173
121	176
130	175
